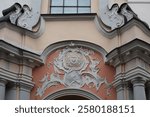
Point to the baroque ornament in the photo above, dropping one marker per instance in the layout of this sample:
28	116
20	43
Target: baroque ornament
73	68
23	15
115	13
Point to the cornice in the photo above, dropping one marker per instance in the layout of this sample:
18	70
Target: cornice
67	17
19	54
137	74
78	17
129	51
94	17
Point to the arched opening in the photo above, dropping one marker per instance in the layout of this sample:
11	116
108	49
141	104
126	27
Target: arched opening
71	97
72	94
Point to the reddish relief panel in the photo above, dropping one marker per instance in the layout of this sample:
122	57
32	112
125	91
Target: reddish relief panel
77	68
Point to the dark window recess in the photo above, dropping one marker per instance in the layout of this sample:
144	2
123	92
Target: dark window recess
70	6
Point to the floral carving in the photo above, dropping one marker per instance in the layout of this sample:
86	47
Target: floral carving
78	69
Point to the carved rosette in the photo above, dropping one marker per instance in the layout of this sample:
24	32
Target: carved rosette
77	67
73	60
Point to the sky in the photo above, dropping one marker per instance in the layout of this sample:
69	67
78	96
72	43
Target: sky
142	10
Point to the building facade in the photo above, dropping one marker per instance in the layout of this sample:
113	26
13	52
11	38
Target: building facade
73	49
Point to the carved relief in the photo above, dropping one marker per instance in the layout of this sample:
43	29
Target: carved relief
115	13
23	16
73	68
24	19
127	12
15	14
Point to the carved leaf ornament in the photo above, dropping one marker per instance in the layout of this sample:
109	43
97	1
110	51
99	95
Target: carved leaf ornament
78	69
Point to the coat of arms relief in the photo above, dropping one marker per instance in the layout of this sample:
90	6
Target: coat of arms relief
115	13
74	67
24	14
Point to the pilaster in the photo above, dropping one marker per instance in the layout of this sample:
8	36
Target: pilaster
148	90
139	89
16	67
132	63
2	89
11	91
24	91
120	91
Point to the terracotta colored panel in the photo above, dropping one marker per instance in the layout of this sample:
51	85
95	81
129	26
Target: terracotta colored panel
48	71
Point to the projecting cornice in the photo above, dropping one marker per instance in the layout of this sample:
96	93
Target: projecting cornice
128	52
16	65
14	54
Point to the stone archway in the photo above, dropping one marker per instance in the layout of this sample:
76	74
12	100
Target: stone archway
71	97
72	94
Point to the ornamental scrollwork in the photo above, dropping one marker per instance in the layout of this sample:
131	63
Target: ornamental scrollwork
73	68
115	13
25	16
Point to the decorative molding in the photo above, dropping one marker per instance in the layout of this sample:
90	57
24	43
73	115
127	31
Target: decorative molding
3	82
68	17
11	55
134	54
76	43
78	69
19	53
13	14
69	91
134	49
114	14
23	15
103	29
118	2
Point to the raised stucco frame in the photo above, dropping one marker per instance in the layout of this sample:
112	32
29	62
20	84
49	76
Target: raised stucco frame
66	92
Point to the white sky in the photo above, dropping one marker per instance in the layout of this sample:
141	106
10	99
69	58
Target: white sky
140	7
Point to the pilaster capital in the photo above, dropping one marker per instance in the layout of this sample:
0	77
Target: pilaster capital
25	85
137	81
119	84
3	81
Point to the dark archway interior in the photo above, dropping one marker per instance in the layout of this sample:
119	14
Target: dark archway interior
71	97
